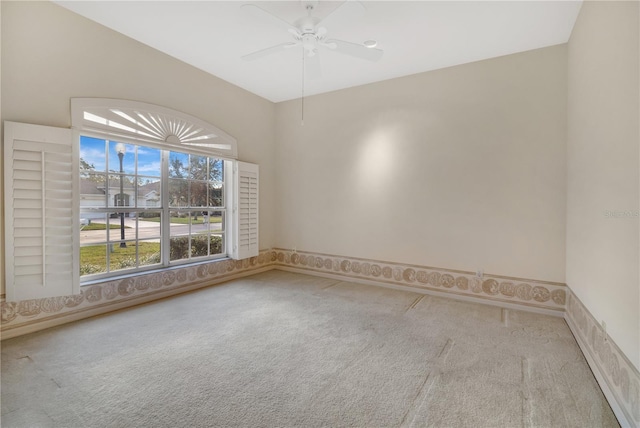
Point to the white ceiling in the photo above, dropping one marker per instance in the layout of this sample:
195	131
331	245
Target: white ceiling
416	36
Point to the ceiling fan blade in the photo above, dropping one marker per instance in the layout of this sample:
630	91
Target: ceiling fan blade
327	45
353	49
312	67
265	14
268	51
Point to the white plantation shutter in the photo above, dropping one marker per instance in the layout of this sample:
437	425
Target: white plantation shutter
245	234
41	212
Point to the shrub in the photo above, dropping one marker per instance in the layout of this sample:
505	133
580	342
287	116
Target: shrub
88	269
149	259
124	263
180	246
147	214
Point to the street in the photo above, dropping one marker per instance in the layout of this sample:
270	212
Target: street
146	230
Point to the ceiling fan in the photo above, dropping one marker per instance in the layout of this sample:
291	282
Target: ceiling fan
308	34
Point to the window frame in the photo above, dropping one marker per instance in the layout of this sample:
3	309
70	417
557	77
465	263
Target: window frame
165	209
170	123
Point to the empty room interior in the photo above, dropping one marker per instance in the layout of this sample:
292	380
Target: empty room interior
318	213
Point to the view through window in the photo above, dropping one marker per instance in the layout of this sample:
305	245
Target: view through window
143	207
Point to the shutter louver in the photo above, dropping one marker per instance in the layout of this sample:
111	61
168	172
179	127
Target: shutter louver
246	234
41	225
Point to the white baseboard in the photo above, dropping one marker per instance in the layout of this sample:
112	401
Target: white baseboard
464	298
617	376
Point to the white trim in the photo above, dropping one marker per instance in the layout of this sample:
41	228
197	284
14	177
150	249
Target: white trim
165	209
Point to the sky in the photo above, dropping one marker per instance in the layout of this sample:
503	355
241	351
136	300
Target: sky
95	151
103	155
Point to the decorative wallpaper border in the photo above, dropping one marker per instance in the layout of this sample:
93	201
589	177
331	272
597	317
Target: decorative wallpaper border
111	293
607	360
524	292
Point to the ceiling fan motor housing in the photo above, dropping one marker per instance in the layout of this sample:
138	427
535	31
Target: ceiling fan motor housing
307	25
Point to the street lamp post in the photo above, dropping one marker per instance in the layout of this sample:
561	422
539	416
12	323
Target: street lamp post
120	149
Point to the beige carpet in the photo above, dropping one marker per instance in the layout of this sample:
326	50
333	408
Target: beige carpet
281	350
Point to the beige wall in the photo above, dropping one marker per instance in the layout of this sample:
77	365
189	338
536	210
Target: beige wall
2	278
461	168
603	168
50	55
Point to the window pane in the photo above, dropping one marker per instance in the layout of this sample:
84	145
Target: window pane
93	259
178	165
93	228
216	244
215	221
179	248
198	192
92	155
216	195
149	192
116	227
179	233
122	257
149	225
216	169
149	252
198	167
200	245
149	162
128	190
128	157
93	190
178	193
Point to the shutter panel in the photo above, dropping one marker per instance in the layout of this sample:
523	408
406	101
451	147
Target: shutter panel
245	211
41	212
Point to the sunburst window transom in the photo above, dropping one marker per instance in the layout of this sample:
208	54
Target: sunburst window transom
151	124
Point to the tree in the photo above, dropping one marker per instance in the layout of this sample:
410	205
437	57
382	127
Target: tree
176	168
86	170
178	186
86	166
198	189
199	179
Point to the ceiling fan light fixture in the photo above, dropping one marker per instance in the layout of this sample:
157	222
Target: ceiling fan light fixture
370	44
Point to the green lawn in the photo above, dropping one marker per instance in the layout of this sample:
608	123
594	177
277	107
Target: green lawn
102	226
183	220
93	258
